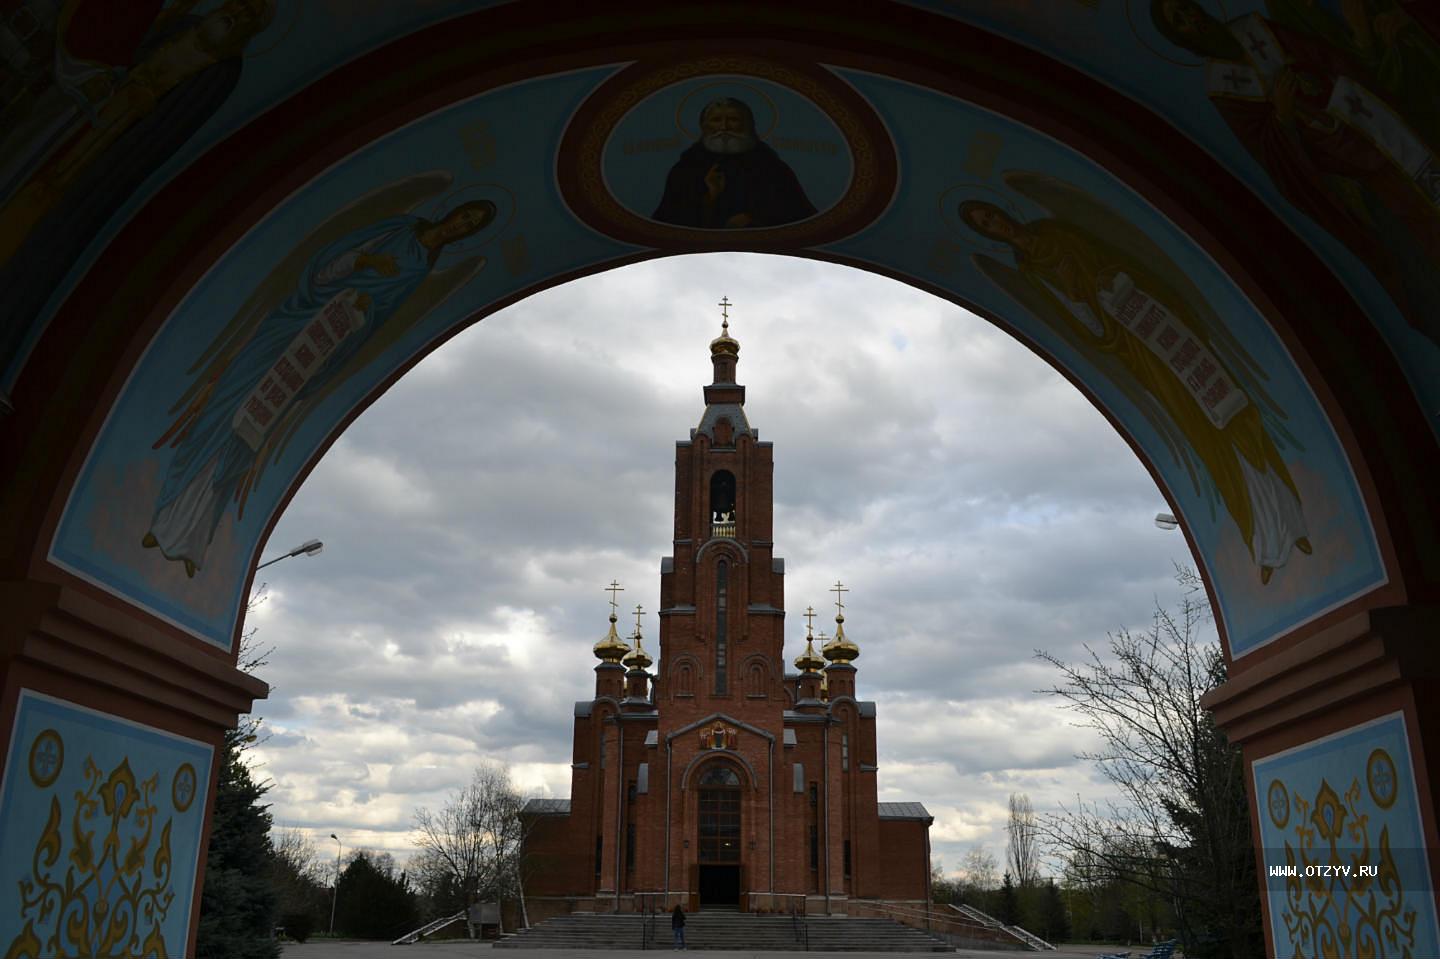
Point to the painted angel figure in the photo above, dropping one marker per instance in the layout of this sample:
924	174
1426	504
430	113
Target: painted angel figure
335	303
1119	298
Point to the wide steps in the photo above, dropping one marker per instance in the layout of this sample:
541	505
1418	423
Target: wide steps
725	931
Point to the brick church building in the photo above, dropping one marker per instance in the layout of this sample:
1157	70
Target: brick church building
721	779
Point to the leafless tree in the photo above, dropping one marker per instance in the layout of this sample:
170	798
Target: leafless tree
1022	853
471	846
979	869
1181	828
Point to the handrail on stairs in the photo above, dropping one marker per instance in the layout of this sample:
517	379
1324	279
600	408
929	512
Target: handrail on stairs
429	927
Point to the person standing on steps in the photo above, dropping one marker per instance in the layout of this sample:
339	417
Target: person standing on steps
677	926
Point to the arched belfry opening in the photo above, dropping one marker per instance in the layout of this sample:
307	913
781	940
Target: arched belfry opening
722	503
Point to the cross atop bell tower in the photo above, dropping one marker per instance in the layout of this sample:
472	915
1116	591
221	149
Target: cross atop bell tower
725	356
722	591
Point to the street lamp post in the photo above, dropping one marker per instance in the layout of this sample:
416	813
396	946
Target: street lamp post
308	548
335	892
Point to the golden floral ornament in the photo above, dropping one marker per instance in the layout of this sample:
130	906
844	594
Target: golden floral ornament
1277	802
183	787
110	895
47	758
1381	778
1344	894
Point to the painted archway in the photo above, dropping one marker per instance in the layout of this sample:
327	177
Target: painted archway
224	231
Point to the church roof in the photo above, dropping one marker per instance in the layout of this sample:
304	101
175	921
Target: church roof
714	412
902	810
549	807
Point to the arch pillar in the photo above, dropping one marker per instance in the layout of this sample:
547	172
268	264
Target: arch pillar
112	727
1340	733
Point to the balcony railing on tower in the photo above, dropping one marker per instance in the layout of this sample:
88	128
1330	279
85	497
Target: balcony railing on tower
723	524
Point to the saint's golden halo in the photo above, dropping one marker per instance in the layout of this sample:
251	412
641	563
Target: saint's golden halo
682	107
505	208
949	204
279	36
1149	42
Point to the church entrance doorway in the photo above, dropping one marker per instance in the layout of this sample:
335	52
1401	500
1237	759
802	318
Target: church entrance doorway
719	836
719	885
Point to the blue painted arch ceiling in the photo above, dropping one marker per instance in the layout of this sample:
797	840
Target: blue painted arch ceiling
1081	178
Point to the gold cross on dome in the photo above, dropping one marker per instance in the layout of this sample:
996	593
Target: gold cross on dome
638	613
839	592
612	589
725	305
809	620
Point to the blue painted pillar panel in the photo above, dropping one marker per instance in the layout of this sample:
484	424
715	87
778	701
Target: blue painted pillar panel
100	834
1345	863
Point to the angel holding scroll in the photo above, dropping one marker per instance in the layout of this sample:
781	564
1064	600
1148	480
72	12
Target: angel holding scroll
336	301
1118	298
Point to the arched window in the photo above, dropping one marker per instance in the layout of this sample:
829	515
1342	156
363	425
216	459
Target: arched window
755	684
722	588
684	677
719	775
719	820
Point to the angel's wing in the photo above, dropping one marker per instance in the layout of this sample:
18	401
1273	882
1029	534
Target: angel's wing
438	287
389	200
1042	304
1079	209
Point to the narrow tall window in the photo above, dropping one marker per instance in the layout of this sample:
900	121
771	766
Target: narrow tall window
599	851
814	847
847	859
722	578
630	850
844	752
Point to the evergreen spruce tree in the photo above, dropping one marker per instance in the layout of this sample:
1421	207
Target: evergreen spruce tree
237	904
1009	902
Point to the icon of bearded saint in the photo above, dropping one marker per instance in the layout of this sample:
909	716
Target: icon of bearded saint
729	179
1120	300
337	301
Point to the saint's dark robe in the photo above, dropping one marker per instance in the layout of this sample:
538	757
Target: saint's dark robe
757	183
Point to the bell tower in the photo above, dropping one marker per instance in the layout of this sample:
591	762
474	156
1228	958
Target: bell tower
721	591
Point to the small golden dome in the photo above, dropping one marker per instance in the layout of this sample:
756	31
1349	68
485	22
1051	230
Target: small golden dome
611	649
809	661
725	343
840	650
637	658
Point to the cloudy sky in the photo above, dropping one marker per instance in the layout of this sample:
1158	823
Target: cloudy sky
976	504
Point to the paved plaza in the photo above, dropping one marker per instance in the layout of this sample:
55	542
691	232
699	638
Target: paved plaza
458	948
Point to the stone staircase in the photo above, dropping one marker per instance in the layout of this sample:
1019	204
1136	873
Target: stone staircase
726	930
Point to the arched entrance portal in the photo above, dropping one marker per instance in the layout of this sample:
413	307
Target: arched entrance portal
718	836
212	263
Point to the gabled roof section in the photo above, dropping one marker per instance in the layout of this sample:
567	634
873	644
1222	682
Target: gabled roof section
723	718
546	807
904	810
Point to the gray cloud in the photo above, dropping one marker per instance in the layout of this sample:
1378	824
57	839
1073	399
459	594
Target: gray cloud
977	505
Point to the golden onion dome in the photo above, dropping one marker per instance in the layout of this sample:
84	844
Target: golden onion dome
637	658
840	650
725	343
809	661
611	649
